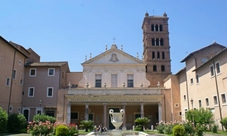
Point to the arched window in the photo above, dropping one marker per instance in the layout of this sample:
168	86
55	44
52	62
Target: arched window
154	68
153	42
152	27
157	42
153	55
160	28
163	55
158	55
163	68
161	41
156	27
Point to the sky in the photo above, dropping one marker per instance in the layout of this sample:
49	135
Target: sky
69	30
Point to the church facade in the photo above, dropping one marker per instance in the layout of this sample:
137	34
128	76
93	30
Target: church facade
116	80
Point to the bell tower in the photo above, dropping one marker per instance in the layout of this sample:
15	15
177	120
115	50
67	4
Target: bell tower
156	49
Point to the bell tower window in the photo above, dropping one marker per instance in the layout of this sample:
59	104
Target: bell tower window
152	27
163	55
157	42
161	41
160	27
163	68
153	55
155	68
153	42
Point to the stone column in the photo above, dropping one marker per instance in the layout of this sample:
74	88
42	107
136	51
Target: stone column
86	111
68	113
159	111
104	115
124	120
141	110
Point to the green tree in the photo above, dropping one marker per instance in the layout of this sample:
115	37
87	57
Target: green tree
142	121
201	116
16	122
87	125
3	120
224	123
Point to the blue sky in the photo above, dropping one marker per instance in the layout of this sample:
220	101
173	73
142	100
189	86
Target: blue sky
68	30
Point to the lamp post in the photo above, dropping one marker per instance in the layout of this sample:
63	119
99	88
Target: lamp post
192	112
40	104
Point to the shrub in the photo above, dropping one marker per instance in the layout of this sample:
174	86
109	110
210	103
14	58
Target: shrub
160	127
142	122
178	130
72	130
224	123
3	120
43	118
199	130
214	128
87	125
189	128
168	129
42	128
62	130
16	122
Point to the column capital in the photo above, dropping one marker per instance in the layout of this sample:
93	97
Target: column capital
142	103
124	103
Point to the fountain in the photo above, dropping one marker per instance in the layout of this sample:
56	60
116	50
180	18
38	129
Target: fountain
117	118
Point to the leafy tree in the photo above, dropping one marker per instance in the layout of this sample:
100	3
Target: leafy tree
201	116
16	122
142	122
87	125
3	120
224	123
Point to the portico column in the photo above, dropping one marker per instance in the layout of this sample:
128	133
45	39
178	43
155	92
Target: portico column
160	112
86	111
141	110
68	113
124	120
104	115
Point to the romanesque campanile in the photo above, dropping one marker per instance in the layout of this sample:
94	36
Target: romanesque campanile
156	48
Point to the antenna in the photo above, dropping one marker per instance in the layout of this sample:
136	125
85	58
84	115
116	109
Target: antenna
153	12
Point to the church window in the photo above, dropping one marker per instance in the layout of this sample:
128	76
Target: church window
154	68
157	42
218	67
163	68
153	42
161	42
163	55
130	80
152	27
160	28
212	70
114	80
98	80
153	55
156	27
158	55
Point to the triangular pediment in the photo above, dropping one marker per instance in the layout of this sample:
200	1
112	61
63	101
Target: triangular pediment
113	56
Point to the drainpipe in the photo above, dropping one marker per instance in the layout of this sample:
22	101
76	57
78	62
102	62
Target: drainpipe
216	84
11	82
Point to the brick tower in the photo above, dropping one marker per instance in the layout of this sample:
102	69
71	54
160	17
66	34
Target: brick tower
156	50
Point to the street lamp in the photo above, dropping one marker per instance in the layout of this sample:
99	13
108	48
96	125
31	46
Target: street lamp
40	104
192	111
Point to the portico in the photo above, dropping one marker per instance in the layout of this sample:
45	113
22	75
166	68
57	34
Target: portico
94	106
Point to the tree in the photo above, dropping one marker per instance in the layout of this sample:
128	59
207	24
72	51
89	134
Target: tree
3	120
201	116
142	122
86	125
16	122
224	123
